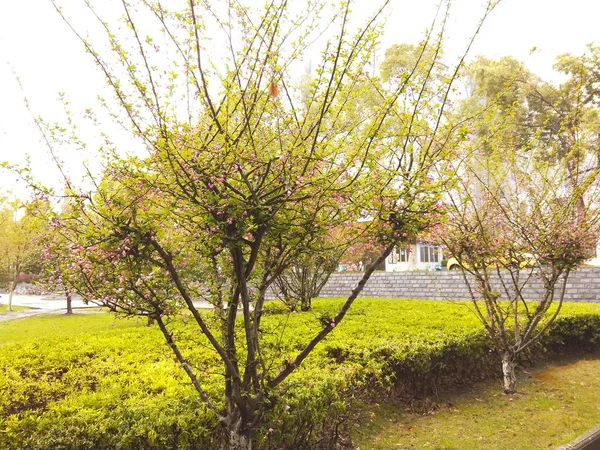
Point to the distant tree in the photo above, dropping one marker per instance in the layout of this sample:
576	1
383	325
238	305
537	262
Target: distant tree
20	249
559	122
498	94
403	60
5	221
567	116
303	280
55	251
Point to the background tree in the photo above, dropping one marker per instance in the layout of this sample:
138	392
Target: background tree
55	249
562	119
567	116
402	60
20	249
499	93
5	221
303	280
512	206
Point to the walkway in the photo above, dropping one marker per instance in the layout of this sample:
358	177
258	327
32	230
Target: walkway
40	304
45	304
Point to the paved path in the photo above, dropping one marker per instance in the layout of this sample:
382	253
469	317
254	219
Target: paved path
41	304
44	304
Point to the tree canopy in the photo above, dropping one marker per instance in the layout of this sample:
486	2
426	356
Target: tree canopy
247	168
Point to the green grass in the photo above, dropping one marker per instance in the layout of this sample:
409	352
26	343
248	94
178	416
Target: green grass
4	308
379	319
58	327
555	404
89	381
403	322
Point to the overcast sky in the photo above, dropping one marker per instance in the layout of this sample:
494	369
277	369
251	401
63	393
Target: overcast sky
38	46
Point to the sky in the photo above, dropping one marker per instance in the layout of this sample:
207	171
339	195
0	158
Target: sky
39	48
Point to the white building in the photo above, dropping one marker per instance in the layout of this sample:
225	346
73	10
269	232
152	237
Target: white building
418	256
595	261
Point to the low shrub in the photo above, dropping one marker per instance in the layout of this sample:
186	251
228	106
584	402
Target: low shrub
571	334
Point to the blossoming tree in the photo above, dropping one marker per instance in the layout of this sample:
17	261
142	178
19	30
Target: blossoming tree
516	218
244	173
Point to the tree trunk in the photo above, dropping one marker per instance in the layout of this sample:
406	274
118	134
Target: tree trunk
508	372
237	439
10	296
13	286
412	255
69	299
306	303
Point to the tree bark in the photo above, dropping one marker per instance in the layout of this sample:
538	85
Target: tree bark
237	439
69	300
508	372
10	296
13	286
412	255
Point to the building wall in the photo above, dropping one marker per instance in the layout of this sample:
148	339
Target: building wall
582	285
595	261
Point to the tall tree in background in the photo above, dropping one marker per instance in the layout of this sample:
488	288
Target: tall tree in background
560	121
567	116
5	220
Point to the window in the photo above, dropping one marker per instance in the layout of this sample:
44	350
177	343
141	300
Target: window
400	254
404	254
429	253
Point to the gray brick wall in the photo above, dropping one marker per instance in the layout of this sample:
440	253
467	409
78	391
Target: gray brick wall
582	285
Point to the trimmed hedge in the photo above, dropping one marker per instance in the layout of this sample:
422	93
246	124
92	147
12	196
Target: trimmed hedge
470	359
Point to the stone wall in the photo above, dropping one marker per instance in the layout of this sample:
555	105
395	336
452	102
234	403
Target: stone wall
582	285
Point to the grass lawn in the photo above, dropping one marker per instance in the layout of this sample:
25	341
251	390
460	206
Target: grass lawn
556	403
57	327
3	308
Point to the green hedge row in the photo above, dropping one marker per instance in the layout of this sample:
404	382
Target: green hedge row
471	359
